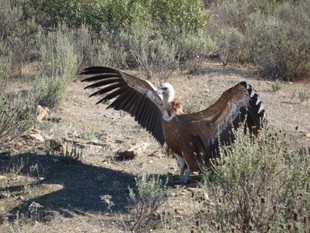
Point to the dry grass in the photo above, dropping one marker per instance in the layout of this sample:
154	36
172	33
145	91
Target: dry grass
92	193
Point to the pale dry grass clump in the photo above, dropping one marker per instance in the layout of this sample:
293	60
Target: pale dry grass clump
17	115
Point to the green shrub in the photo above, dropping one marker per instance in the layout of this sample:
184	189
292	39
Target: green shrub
193	46
280	44
71	12
260	185
272	34
188	16
231	43
102	33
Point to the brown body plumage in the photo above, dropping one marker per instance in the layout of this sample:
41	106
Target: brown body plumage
194	138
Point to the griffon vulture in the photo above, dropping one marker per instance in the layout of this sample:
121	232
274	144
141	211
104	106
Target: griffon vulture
193	138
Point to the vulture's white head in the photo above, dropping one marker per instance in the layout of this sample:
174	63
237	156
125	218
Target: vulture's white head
167	92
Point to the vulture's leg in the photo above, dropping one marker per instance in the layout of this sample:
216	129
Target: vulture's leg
181	163
184	169
184	178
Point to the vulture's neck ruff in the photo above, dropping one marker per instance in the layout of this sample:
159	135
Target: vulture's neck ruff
171	106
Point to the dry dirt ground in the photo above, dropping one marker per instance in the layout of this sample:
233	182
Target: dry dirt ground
42	192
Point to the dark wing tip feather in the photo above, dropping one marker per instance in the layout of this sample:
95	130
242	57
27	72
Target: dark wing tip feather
255	102
100	77
253	114
98	70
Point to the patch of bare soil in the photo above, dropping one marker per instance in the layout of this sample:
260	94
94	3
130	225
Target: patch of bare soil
44	192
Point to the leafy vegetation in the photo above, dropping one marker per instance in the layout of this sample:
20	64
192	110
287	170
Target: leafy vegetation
120	14
261	185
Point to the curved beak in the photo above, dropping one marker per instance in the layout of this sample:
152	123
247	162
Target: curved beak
159	91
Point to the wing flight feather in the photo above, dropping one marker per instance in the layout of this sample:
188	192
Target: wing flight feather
130	94
214	125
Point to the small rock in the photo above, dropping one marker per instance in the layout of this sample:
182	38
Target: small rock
132	152
308	136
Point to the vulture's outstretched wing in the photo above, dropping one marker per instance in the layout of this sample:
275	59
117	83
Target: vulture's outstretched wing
131	94
212	126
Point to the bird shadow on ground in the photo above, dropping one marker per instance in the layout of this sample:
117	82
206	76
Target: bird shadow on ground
81	187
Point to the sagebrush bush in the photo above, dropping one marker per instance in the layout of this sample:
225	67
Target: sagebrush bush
49	91
234	14
261	185
150	193
117	26
190	47
5	65
150	52
280	44
95	48
272	34
276	85
231	44
58	66
18	30
58	56
17	115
